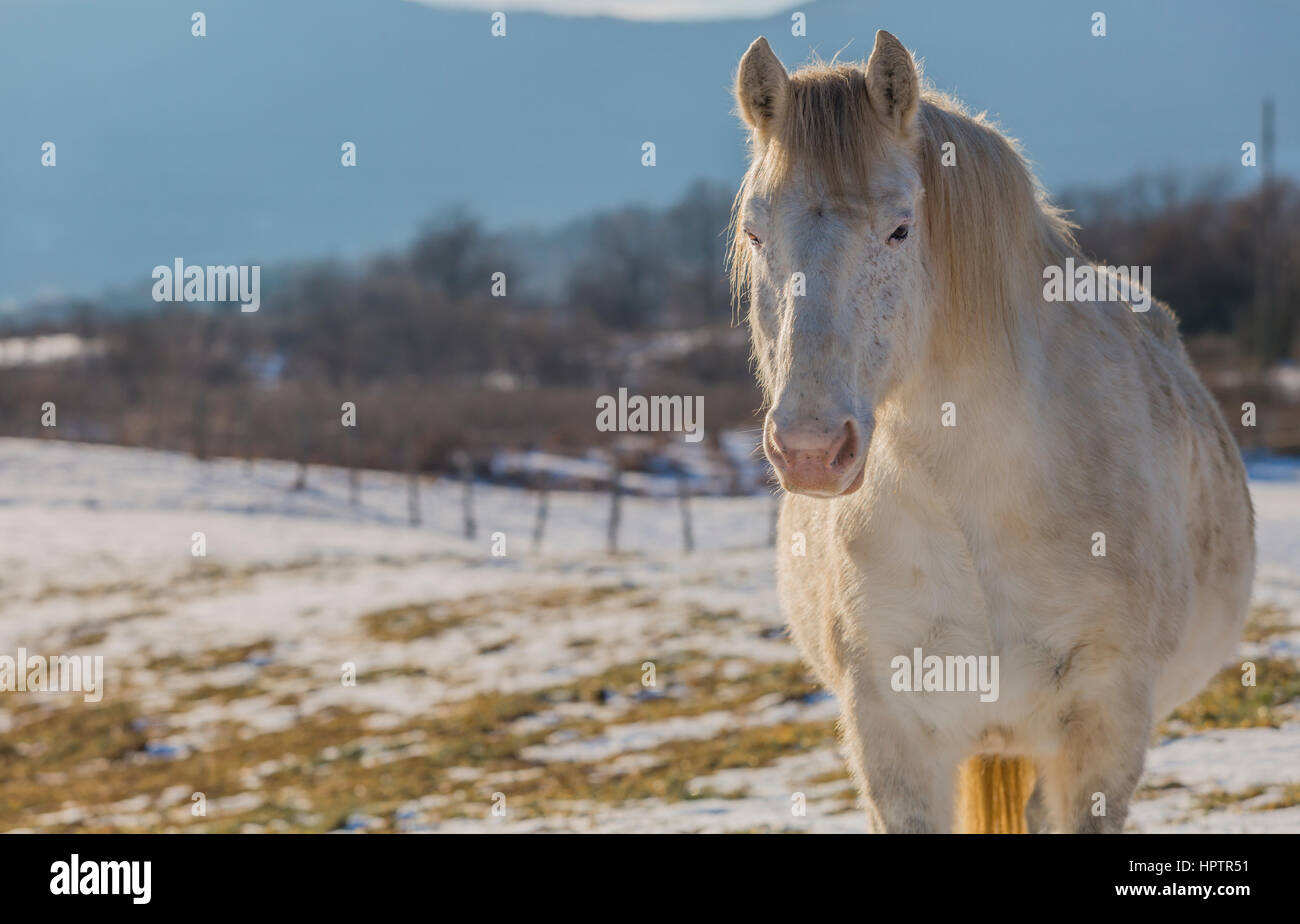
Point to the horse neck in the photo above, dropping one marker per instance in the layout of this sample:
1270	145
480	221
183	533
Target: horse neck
988	382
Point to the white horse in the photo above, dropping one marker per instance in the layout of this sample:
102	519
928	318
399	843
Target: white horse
1034	501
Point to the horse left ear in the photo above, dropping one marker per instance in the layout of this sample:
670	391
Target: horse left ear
892	85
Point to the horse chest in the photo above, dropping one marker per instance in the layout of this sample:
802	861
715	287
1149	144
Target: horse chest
900	591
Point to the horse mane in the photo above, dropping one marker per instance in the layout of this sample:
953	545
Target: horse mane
989	225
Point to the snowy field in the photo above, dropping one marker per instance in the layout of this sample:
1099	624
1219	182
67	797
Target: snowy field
514	681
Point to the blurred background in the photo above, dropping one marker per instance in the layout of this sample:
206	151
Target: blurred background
496	570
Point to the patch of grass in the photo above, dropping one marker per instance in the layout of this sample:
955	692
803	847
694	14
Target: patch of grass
708	792
199	572
500	646
102	750
332	764
830	776
385	672
137	614
1156	790
702	618
1220	798
214	694
412	621
670	768
212	658
87	636
428	620
569	596
764	829
479	732
1226	703
1289	798
210	571
85	591
687	683
46	737
1267	621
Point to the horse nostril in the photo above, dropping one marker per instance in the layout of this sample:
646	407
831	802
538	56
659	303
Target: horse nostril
774	439
842	455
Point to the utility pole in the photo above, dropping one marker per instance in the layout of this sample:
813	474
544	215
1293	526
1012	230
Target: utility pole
1267	329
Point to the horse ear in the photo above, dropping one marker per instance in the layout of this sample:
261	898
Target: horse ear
762	86
892	85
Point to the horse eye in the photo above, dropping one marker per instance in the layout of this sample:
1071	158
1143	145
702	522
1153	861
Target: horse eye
753	238
900	233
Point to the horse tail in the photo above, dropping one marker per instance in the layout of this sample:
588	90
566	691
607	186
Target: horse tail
992	793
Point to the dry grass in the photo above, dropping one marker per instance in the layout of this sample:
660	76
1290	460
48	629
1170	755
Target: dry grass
1267	621
1227	703
332	765
428	620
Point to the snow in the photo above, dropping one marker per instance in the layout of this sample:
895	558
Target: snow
100	538
45	348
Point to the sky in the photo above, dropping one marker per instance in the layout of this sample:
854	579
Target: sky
225	148
635	10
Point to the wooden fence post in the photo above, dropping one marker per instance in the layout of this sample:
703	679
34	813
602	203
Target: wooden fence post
683	499
412	485
354	475
246	431
615	498
467	498
543	505
300	434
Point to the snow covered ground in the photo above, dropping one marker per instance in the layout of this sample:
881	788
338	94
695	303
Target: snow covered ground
571	689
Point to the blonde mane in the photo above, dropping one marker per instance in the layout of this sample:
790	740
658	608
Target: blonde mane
988	223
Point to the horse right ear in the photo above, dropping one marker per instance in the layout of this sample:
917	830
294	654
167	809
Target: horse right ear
762	87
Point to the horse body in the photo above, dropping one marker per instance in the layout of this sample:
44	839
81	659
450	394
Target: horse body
1050	485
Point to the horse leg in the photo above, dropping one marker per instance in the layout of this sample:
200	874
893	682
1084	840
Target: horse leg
905	780
1036	817
1088	783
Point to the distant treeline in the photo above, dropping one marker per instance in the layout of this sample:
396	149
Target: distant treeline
435	364
1225	264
